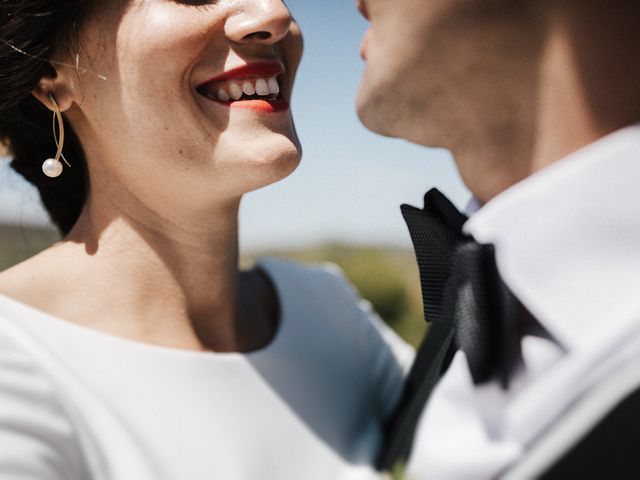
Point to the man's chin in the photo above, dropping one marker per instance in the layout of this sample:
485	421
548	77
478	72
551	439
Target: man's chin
373	117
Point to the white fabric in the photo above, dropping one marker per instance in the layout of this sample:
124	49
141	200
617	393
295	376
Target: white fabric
568	245
77	404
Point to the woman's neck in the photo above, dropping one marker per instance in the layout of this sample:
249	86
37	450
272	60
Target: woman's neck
153	281
168	278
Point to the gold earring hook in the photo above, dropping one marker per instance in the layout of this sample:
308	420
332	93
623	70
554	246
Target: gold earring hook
57	115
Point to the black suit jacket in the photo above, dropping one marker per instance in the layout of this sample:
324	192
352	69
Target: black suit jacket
597	437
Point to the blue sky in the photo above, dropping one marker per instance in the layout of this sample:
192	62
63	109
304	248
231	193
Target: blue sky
350	183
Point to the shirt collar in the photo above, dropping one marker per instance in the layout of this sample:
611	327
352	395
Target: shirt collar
473	206
568	239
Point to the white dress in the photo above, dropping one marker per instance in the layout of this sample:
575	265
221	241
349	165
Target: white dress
76	403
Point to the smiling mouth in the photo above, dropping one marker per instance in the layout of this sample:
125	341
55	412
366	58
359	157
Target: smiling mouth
253	87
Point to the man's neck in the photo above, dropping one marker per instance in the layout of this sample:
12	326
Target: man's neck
588	86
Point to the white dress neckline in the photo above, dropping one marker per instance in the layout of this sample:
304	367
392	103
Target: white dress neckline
266	264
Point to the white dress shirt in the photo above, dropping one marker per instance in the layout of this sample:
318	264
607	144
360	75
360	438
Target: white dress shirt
568	245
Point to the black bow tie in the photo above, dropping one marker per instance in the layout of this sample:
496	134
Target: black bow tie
467	306
461	287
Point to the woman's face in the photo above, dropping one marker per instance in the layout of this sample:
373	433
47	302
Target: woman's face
162	123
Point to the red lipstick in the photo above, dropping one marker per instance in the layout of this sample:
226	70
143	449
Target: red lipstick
264	106
250	70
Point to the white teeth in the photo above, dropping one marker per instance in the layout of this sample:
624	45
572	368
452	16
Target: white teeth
262	88
248	88
274	87
235	91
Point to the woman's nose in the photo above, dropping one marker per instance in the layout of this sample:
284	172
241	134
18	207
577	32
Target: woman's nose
259	22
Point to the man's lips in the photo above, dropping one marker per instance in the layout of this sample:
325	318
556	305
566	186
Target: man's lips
363	45
362	8
254	86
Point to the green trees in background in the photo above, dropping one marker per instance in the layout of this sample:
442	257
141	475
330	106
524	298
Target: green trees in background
18	243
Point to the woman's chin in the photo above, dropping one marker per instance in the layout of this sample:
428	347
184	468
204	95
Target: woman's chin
269	169
244	163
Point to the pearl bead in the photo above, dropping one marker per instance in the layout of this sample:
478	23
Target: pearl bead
52	168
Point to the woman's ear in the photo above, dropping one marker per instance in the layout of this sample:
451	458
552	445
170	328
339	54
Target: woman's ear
52	83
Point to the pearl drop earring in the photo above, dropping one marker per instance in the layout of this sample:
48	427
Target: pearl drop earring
51	166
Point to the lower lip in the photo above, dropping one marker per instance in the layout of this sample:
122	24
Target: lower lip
363	45
262	106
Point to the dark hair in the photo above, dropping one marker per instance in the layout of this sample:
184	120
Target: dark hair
31	33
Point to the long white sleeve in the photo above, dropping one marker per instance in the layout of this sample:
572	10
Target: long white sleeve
36	439
388	357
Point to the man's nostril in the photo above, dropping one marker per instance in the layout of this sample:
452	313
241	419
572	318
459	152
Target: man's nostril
258	36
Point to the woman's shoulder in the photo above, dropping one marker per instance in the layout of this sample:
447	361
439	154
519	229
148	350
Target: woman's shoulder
19	371
332	312
35	432
31	280
319	275
22	357
328	298
320	288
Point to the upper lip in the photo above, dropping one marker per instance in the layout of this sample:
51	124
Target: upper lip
362	8
265	69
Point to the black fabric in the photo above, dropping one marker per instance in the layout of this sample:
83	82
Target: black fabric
467	306
435	231
609	450
425	373
484	311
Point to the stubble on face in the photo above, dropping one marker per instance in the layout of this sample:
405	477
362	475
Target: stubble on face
441	72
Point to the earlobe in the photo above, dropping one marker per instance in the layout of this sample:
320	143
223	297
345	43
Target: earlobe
56	86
